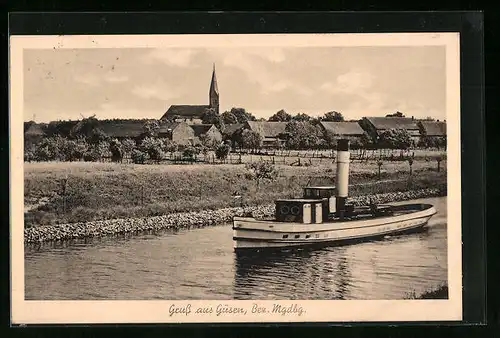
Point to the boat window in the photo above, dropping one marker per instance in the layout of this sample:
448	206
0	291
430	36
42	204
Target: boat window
307	236
295	210
297	236
285	236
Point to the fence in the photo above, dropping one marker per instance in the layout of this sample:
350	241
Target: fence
294	157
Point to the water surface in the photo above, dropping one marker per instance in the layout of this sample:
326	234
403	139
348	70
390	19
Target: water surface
201	264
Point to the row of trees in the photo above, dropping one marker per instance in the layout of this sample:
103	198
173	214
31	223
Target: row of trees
58	148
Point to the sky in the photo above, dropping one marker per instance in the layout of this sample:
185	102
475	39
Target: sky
68	84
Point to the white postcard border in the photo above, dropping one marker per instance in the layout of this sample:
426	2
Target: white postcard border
83	312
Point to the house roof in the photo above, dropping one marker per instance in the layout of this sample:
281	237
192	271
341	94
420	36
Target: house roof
267	129
185	111
123	128
433	128
343	128
384	123
232	127
200	129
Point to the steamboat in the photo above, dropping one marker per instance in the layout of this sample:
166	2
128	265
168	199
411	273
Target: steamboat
323	215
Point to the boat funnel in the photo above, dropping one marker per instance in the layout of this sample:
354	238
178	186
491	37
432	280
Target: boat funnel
342	181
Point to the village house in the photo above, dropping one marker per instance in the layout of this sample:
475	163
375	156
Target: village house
376	126
208	131
432	129
122	129
178	132
273	133
349	130
193	114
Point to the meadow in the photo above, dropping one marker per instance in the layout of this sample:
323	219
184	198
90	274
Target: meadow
65	192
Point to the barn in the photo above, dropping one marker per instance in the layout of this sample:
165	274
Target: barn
272	132
348	130
432	128
375	126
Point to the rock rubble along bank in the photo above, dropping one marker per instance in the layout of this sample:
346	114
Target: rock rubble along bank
187	220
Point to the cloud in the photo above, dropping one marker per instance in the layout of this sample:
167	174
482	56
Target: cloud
350	83
255	65
88	79
158	90
172	57
116	79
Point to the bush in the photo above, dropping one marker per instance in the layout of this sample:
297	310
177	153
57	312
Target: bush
138	157
153	147
260	171
222	151
395	139
190	152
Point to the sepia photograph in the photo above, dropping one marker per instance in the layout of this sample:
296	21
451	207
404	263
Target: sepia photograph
294	177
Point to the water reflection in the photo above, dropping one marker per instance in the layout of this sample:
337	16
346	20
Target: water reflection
363	271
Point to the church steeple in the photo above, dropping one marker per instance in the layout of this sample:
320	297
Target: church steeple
214	92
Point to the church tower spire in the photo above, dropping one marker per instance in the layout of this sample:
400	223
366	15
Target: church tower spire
214	92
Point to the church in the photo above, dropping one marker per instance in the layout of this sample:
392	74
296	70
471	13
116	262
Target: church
193	114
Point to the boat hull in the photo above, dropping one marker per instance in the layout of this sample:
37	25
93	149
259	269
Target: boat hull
249	233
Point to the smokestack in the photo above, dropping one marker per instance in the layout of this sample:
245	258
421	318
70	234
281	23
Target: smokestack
342	181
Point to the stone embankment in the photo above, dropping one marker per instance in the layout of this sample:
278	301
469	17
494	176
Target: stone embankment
186	220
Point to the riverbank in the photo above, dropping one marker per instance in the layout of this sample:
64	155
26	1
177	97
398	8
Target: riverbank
440	292
62	193
187	220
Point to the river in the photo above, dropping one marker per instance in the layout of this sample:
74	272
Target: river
200	264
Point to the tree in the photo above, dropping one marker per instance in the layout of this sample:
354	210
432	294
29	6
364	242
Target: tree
138	157
89	129
222	151
301	117
280	116
73	150
333	116
260	171
128	145
190	153
229	118
153	147
396	114
302	135
150	128
211	116
251	139
242	115
330	139
116	149
209	142
366	140
395	139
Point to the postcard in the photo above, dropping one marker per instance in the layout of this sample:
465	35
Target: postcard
235	178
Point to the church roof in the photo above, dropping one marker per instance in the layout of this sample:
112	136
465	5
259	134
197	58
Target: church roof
343	128
185	111
213	84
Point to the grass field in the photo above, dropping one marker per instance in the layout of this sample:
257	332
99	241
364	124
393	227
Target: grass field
96	191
